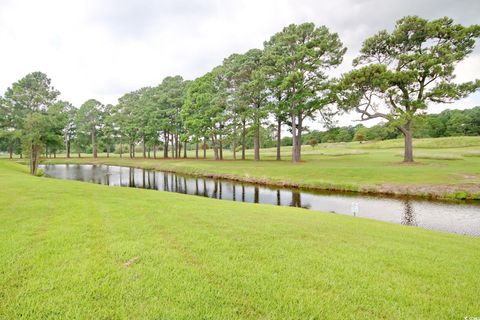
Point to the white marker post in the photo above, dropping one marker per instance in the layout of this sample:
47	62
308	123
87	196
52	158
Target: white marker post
354	208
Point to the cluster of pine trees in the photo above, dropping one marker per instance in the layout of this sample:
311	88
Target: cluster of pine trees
281	85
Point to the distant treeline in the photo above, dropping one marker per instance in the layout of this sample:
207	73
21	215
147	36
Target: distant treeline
448	123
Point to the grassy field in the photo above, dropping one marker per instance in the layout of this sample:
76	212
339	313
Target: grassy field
445	167
77	250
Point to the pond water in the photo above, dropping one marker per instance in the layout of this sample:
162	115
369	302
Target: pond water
461	218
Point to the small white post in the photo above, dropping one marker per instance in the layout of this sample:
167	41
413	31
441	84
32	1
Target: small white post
354	208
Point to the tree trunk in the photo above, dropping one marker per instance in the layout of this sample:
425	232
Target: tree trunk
234	140
234	150
68	149
121	150
165	144
144	148
196	150
294	138
256	141
220	144
65	143
215	147
55	154
154	151
279	138
298	149
408	135
34	159
108	150
94	143
173	146
204	148
185	149
177	147
243	138
10	151
32	162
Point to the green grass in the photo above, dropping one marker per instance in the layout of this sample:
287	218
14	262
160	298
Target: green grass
76	250
428	143
435	156
369	167
472	154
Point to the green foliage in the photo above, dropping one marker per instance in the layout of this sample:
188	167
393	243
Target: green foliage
204	110
32	116
32	93
313	142
125	116
296	61
407	69
360	134
89	121
36	131
280	85
60	117
267	137
287	141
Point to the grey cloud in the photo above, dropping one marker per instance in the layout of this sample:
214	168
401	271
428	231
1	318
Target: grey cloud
139	18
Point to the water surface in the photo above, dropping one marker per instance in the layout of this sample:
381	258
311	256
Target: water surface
461	218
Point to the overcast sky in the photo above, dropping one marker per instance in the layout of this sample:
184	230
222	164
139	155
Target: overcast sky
104	48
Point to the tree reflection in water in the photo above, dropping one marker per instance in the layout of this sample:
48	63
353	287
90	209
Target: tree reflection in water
462	219
408	217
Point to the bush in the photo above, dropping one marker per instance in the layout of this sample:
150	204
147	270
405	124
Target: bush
313	142
40	173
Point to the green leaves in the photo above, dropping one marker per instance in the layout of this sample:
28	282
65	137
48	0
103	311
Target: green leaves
418	59
407	69
32	115
89	116
32	93
296	61
200	113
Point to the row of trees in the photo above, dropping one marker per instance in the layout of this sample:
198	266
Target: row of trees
281	85
448	123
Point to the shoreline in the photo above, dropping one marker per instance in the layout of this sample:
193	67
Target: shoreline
453	192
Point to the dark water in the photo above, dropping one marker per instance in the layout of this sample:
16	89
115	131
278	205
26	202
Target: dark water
463	218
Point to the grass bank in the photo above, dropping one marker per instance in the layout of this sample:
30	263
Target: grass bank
369	167
78	250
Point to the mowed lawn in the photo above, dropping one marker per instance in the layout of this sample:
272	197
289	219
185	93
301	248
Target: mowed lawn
77	250
375	166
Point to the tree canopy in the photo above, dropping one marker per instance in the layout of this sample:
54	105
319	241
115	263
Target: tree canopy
251	97
407	69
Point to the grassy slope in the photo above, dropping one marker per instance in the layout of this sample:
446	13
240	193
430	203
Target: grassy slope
77	250
349	166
